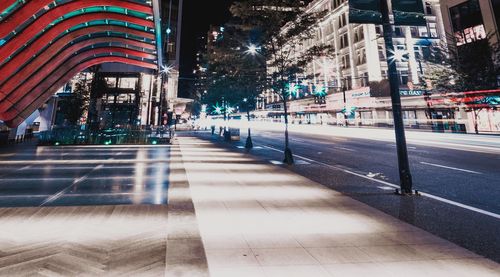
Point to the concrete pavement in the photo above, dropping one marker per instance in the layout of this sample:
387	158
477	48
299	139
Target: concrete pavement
257	219
228	214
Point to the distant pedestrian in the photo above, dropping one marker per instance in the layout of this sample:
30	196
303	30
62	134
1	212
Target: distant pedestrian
213	129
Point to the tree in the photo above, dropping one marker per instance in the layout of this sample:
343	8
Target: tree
235	75
281	28
77	104
469	67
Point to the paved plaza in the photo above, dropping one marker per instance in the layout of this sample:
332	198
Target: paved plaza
108	213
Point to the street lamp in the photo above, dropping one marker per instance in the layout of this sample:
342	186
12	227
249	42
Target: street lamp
166	69
253	49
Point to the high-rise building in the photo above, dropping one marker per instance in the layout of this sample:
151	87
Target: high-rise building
358	61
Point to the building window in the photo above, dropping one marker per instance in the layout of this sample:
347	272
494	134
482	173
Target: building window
418	54
496	10
358	34
337	3
381	53
346	62
432	29
428	8
364	81
344	41
342	20
403	77
422	31
398	32
361	56
414	32
347	82
467	22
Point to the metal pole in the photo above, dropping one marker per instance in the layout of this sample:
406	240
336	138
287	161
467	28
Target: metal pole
162	99
404	165
346	118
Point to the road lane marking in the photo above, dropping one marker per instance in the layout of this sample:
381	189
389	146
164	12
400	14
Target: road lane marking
444	200
409	147
346	149
451	202
75	194
15	170
452	168
78	162
62	192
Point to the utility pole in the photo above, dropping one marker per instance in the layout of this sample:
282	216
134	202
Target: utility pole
403	163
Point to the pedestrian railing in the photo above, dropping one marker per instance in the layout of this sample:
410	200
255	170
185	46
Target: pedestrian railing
117	136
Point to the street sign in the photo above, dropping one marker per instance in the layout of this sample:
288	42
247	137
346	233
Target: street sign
365	11
406	12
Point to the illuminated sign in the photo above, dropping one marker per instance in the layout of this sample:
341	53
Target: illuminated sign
411	92
470	34
361	94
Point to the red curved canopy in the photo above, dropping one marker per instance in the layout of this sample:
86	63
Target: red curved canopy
22	99
26	112
27	34
16	88
32	7
4	4
41	56
32	49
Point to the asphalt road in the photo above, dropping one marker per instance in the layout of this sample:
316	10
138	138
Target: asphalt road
76	176
467	177
460	178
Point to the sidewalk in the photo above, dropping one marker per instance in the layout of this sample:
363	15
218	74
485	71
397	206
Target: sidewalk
258	219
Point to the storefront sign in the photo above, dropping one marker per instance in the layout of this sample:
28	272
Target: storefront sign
361	94
412	92
274	107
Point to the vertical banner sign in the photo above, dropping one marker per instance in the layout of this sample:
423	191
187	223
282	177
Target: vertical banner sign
408	12
365	11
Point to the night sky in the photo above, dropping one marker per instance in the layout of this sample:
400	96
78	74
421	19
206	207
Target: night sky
198	15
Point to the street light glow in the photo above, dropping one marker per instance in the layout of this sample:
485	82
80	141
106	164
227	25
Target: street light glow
166	69
398	55
253	49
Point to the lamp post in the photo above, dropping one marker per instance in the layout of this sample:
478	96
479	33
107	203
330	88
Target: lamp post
163	74
248	143
253	50
344	89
